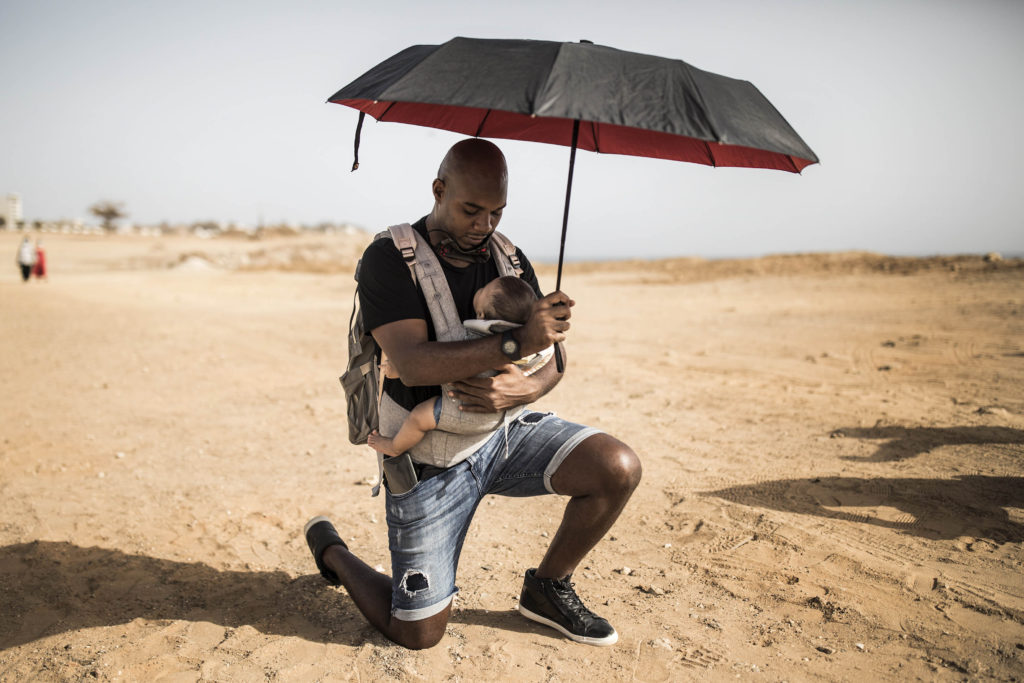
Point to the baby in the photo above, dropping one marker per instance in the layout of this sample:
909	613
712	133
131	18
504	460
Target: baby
501	304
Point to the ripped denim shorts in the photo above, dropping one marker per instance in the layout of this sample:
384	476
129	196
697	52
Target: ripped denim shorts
427	524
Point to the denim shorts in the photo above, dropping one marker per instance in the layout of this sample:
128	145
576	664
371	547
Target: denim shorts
427	524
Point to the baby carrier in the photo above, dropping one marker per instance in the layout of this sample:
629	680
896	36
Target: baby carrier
459	434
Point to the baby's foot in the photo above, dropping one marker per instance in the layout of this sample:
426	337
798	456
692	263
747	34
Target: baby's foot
381	444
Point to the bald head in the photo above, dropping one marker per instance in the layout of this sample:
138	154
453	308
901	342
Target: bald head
474	158
469	194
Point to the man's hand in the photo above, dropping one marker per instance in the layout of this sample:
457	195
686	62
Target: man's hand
547	325
509	388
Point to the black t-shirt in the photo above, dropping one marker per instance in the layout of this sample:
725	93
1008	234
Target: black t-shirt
387	294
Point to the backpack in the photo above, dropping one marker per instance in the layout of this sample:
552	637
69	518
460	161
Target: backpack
362	381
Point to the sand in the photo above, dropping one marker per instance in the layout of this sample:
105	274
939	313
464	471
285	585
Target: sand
832	447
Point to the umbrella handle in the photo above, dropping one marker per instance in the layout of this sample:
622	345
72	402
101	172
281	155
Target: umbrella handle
359	129
559	363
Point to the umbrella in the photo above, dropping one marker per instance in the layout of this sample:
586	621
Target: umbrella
580	95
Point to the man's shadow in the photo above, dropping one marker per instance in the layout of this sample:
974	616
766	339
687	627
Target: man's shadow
972	505
909	442
48	588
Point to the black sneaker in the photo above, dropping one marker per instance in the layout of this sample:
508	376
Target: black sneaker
554	602
320	535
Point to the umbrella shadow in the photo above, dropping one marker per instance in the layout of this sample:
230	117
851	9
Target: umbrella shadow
972	505
48	588
909	442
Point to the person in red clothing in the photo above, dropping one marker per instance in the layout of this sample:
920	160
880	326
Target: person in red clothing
39	270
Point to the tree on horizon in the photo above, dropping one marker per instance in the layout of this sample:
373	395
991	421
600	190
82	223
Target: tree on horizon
108	212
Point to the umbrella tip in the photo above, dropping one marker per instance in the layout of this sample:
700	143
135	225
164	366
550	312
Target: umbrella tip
588	42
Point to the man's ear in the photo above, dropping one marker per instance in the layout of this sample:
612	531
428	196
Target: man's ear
438	189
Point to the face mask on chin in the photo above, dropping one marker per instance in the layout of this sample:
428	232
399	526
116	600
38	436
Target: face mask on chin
450	249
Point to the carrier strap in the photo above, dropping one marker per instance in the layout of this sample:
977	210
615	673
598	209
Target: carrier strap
375	491
427	273
506	247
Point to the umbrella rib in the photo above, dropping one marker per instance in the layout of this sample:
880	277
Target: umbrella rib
482	122
593	132
385	112
710	155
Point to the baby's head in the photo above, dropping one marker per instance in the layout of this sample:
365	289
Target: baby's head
507	298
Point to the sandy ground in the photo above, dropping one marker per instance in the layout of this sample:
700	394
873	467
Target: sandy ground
833	478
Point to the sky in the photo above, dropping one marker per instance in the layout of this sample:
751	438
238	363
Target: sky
198	110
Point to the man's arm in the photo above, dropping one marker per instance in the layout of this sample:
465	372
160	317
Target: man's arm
423	363
508	389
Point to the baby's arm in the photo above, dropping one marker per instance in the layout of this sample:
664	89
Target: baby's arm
420	421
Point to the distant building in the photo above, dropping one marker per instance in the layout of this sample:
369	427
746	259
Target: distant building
12	211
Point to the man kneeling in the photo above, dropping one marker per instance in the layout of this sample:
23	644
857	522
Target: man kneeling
533	454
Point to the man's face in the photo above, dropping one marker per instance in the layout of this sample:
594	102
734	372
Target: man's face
470	206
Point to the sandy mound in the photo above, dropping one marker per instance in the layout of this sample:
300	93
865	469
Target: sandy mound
679	270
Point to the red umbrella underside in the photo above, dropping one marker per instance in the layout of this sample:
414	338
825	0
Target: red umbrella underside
604	138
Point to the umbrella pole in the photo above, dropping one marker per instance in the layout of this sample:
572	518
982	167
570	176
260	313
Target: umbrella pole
568	194
559	363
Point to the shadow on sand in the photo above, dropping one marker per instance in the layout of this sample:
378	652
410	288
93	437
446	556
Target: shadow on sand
48	588
932	508
909	442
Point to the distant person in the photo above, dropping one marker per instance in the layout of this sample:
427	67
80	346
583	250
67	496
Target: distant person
502	304
26	259
39	270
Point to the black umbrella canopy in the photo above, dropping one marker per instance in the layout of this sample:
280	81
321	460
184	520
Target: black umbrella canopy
580	95
627	102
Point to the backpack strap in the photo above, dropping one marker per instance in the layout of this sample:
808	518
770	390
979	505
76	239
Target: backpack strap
506	247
